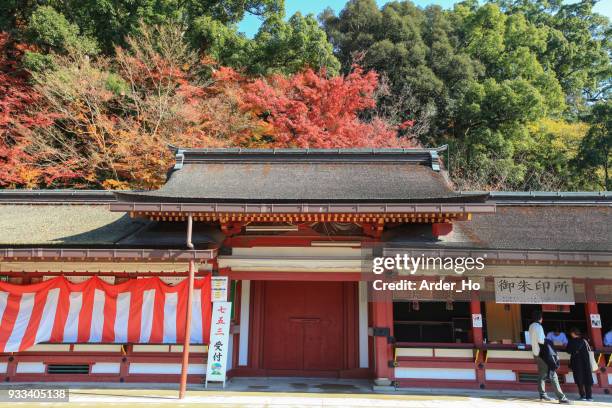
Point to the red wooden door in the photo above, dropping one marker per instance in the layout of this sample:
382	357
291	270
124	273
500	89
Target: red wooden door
303	326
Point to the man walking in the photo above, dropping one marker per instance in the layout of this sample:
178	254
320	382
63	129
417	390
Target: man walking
537	338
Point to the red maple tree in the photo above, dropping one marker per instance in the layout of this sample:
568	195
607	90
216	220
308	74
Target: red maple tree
17	118
310	109
107	122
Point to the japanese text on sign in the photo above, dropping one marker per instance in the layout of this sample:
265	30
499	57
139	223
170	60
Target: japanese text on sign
219	339
534	291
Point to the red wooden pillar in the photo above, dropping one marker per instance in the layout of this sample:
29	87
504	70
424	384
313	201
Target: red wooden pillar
11	367
477	336
382	318
257	320
594	332
185	363
124	367
591	308
477	332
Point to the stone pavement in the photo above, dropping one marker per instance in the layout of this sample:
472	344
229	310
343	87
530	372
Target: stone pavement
296	392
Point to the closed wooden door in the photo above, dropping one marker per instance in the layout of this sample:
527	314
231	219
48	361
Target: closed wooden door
303	326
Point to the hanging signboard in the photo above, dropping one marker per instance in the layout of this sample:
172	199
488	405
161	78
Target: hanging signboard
219	342
534	291
219	288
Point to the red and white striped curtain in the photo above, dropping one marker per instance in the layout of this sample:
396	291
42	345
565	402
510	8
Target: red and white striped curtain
136	311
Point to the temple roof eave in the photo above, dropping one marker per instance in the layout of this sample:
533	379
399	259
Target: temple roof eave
104	254
476	204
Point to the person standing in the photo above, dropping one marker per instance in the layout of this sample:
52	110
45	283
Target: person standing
608	338
557	337
537	340
580	364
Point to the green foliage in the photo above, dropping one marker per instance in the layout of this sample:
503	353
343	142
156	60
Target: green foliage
110	22
37	62
489	70
595	156
577	45
117	85
223	43
232	11
549	154
51	31
209	25
288	47
280	46
520	89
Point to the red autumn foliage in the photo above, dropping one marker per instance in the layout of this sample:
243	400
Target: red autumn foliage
310	109
17	119
106	122
406	124
16	96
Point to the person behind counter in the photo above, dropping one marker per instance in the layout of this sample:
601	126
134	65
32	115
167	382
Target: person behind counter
542	354
580	364
557	337
608	338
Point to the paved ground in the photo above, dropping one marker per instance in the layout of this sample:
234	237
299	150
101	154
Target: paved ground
295	393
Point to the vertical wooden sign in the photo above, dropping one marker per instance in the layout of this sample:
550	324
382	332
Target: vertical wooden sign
216	367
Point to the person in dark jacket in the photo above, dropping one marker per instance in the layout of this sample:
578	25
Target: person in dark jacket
550	357
580	364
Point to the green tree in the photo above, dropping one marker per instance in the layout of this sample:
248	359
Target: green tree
280	46
51	31
595	155
289	46
578	46
222	42
210	27
417	51
109	22
478	69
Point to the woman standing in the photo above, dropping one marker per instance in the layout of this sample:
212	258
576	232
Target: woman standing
580	364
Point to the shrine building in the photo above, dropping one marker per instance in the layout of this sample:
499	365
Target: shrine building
295	231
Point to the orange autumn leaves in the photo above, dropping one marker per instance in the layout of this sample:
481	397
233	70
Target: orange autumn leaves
309	109
107	123
18	117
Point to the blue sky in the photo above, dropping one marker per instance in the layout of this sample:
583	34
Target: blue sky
251	23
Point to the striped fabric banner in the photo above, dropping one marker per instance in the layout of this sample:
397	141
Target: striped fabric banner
136	311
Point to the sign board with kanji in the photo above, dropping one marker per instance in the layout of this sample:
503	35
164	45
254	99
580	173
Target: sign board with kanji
219	343
534	291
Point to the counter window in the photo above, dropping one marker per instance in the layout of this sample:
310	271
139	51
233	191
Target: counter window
432	322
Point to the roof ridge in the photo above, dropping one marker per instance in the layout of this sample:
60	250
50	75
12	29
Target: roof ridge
548	197
307	151
61	196
429	157
556	194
